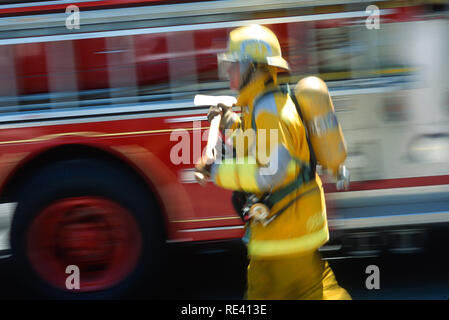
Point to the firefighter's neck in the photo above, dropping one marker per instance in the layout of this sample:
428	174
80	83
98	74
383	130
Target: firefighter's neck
257	84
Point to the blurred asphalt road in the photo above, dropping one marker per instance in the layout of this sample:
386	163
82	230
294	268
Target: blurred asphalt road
220	274
407	276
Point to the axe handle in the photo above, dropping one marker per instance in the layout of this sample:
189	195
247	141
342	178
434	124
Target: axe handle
212	139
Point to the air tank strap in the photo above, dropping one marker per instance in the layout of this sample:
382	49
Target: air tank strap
307	172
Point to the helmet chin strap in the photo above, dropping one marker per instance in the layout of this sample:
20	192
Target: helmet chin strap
247	70
249	73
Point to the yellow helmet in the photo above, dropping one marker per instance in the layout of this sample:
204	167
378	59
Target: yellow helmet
256	44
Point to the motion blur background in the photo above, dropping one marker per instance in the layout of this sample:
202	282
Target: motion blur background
385	63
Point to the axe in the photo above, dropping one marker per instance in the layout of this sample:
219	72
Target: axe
214	129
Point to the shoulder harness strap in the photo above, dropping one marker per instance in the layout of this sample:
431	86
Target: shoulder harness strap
307	169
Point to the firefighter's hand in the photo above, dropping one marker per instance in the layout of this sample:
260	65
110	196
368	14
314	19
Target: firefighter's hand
203	170
221	109
343	178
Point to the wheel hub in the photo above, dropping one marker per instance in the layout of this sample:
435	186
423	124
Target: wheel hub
97	235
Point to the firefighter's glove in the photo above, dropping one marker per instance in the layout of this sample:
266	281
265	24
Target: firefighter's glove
203	170
228	117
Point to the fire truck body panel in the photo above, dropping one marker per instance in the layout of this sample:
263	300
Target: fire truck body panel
124	84
182	204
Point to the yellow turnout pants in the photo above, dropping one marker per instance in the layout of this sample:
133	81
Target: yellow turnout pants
299	278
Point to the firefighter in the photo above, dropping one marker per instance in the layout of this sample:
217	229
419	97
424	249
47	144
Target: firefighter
284	258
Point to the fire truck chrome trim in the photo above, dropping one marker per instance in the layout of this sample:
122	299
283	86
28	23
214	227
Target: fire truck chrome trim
389	221
43	3
55	115
229	4
51	122
189	27
186	119
212	229
205	219
386	196
153	12
98	111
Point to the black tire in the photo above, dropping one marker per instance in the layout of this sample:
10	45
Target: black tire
81	178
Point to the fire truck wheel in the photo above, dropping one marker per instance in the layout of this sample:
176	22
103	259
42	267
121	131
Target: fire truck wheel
86	229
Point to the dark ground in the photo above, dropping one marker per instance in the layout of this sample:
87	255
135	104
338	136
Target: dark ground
219	272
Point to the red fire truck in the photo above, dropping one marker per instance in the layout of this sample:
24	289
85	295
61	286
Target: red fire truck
87	117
